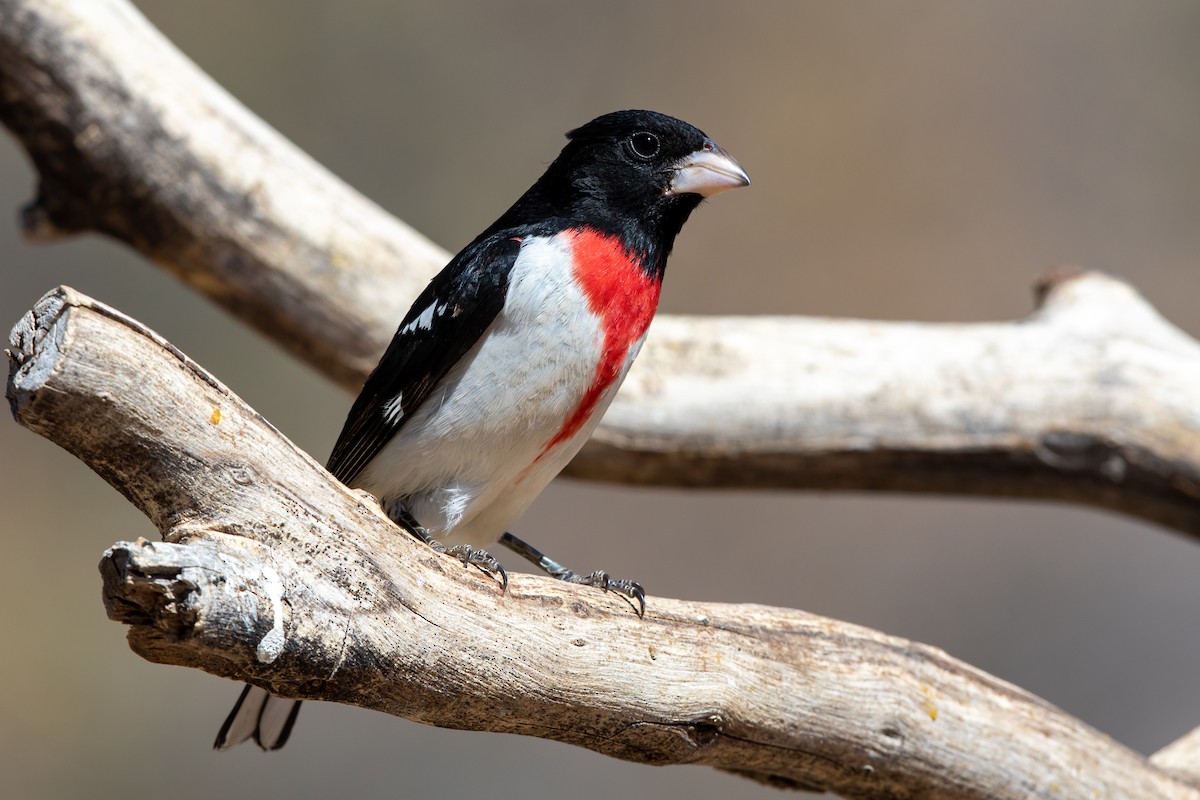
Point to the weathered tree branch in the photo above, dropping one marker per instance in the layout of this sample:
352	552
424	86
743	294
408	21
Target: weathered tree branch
133	140
1091	400
273	572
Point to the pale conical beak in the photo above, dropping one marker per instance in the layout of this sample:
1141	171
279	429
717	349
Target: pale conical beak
706	172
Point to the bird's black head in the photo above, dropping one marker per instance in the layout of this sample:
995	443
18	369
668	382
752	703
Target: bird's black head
634	174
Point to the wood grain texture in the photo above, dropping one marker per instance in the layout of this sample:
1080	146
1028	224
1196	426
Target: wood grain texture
274	573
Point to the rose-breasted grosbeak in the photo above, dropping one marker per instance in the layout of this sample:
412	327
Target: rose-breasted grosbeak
504	365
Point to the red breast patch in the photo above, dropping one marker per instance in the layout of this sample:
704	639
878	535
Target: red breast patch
624	297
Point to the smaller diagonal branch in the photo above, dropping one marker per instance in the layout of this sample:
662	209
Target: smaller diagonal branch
273	572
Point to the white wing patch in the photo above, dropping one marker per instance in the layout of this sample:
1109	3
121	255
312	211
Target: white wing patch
424	320
393	412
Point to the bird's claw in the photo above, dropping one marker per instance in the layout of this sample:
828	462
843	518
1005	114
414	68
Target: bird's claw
631	590
469	556
473	557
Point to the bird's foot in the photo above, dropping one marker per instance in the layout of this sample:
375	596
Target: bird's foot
630	590
474	557
469	556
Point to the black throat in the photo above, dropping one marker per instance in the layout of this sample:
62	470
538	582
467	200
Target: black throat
645	225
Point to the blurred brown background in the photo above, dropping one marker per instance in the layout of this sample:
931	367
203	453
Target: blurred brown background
918	160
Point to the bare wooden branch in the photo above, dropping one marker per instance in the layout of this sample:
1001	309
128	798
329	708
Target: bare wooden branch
131	139
273	572
1089	401
1092	399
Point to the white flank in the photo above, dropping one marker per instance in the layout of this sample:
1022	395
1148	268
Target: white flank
463	458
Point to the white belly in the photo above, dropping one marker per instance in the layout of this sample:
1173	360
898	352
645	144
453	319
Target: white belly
462	463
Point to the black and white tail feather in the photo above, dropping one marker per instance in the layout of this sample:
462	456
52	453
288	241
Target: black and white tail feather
260	716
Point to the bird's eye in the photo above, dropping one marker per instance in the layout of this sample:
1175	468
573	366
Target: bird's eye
644	145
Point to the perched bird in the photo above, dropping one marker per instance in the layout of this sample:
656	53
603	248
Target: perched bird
504	365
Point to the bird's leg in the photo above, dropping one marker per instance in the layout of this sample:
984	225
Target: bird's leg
600	579
468	555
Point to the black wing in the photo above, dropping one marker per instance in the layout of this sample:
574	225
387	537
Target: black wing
443	324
